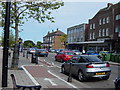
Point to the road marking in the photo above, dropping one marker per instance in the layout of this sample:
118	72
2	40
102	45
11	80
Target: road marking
30	76
53	63
62	79
53	84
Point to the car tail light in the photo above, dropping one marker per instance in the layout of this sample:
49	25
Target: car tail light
107	65
89	66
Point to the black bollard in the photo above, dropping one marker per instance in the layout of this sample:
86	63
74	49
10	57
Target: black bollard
27	55
69	77
23	53
36	58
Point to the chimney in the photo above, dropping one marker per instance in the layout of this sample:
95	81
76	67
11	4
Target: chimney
48	32
57	29
109	5
52	30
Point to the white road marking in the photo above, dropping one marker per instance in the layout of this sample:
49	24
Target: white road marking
44	60
53	63
62	79
53	84
30	76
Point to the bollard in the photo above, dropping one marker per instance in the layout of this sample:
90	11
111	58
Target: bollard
36	58
27	55
23	53
69	77
33	58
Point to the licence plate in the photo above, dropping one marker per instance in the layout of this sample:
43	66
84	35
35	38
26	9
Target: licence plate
103	73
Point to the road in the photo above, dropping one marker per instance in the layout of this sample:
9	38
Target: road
92	83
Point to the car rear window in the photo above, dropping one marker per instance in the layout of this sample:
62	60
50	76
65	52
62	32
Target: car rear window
69	53
42	50
92	59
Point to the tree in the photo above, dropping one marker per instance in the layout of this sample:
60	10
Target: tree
39	10
11	38
28	44
38	44
63	38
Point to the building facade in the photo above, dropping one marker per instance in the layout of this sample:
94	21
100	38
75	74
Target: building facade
105	26
76	34
53	40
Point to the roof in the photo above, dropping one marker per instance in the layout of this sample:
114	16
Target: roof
107	8
58	32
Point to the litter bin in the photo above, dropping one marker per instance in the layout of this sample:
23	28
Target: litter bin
34	58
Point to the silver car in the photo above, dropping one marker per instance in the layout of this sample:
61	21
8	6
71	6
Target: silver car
86	66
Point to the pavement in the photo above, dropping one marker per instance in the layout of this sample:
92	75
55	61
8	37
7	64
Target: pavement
35	74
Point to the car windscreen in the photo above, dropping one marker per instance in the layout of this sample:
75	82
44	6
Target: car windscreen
91	59
69	53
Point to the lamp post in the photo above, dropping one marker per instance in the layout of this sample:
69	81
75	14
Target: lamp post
6	43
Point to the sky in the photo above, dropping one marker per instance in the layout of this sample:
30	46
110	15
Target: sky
71	14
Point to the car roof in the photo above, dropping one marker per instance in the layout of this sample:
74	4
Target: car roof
86	55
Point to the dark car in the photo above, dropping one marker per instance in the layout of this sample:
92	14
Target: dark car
31	50
87	66
91	52
42	52
117	83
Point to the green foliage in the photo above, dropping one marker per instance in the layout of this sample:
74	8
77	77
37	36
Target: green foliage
28	44
63	38
39	10
39	45
11	38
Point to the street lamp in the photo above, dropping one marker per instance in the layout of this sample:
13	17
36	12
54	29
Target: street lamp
6	43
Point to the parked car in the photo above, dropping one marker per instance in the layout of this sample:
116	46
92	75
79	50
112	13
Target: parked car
31	50
77	52
117	83
42	52
91	52
59	50
87	66
64	56
52	50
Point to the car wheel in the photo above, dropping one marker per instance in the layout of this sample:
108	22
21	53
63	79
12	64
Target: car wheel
55	59
61	60
63	69
81	76
105	78
118	86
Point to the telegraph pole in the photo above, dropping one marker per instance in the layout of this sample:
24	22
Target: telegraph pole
6	43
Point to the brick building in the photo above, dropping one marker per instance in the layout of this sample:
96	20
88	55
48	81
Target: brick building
104	27
53	40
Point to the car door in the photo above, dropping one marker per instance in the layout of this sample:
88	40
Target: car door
59	56
75	64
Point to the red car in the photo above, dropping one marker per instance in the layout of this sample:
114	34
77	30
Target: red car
64	56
